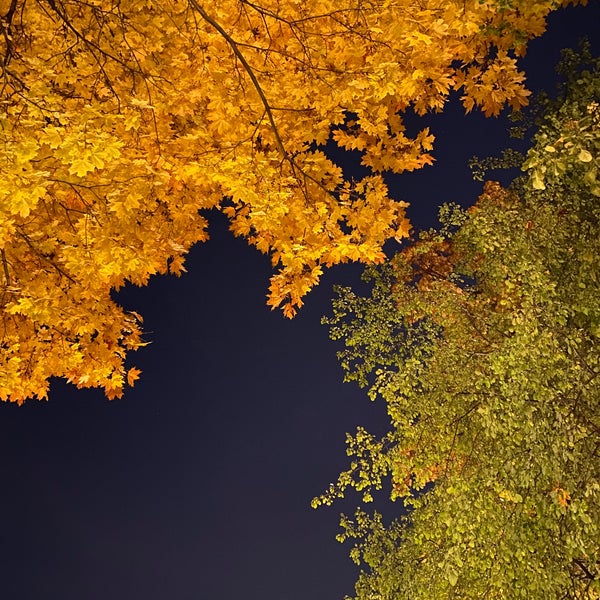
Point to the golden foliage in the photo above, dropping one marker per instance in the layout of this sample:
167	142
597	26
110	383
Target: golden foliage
119	122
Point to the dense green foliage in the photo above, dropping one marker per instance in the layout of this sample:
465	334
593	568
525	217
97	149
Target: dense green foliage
482	339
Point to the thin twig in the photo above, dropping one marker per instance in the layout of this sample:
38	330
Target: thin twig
5	265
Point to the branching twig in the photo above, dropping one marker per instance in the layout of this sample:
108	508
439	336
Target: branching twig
44	257
583	567
88	42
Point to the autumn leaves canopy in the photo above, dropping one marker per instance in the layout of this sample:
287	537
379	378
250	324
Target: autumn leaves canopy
122	121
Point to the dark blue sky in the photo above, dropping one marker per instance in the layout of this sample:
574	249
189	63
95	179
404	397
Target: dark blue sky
197	484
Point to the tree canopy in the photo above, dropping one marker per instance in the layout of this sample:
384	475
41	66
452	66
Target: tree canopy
121	122
482	339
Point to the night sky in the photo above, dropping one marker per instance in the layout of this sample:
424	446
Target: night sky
197	483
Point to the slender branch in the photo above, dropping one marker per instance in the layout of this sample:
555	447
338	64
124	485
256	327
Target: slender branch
6	25
233	44
10	12
5	265
64	18
44	257
583	567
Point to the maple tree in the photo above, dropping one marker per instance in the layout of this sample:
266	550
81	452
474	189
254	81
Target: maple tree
121	121
482	339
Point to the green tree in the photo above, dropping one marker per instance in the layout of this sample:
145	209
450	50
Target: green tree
482	339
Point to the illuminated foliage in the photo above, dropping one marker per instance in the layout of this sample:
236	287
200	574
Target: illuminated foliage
482	339
121	121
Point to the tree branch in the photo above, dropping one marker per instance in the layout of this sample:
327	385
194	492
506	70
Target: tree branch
89	43
233	45
7	32
5	265
583	567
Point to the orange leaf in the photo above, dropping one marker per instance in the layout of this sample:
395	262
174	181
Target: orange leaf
132	376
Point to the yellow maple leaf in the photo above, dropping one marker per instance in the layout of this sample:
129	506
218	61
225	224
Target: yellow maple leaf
133	375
